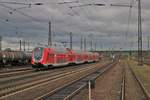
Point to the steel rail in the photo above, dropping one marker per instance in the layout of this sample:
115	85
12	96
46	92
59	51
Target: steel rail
70	96
144	90
39	83
15	72
22	80
18	80
105	68
122	94
33	77
17	68
75	92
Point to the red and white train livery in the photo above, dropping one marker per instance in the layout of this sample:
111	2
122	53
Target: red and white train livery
46	57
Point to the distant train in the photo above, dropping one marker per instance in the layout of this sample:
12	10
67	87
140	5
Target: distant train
14	58
47	57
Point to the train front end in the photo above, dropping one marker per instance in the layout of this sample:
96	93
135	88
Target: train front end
38	58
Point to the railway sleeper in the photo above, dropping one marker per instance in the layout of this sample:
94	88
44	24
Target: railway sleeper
68	92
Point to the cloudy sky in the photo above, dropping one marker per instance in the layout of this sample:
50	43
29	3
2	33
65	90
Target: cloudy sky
110	27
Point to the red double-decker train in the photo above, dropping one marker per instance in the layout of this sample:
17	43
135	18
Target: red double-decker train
44	57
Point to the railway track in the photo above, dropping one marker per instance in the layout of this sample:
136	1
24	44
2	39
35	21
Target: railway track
14	68
123	85
127	87
68	91
60	79
11	83
147	63
138	87
15	72
145	92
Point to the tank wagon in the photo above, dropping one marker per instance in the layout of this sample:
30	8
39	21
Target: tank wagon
14	58
44	57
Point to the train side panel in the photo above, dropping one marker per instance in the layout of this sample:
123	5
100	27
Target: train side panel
46	57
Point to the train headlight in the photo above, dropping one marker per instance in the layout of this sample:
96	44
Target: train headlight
4	56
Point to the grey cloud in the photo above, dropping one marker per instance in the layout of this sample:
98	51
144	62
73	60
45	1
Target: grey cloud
107	24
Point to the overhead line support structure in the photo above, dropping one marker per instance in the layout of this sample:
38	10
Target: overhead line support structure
148	43
71	40
20	45
81	43
83	5
21	3
68	2
95	4
50	35
84	43
0	43
140	53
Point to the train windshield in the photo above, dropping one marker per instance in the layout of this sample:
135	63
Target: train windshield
38	52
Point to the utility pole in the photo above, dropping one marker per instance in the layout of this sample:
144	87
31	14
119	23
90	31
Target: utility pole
84	43
50	35
20	45
81	42
140	53
70	40
0	43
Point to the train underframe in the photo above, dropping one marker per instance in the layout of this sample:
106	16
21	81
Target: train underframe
39	66
18	62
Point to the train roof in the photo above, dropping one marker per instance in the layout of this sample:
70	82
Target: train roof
57	50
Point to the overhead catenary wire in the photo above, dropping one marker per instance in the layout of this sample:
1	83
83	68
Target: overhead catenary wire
8	21
83	18
130	5
101	37
129	18
73	11
20	12
128	22
85	13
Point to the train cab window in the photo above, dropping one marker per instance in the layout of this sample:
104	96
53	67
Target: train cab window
38	52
